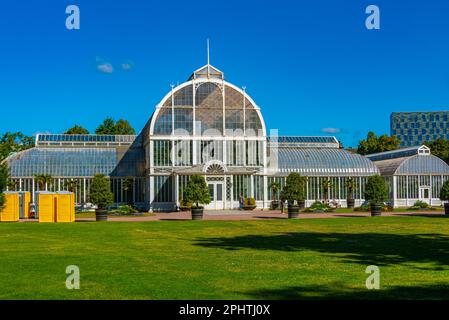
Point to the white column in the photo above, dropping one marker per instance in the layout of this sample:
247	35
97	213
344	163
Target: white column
265	192
84	191
33	189
395	190
176	190
252	186
20	184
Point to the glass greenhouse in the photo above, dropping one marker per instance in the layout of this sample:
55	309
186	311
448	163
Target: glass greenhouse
413	174
211	127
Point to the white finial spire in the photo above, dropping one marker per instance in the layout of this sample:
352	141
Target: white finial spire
208	52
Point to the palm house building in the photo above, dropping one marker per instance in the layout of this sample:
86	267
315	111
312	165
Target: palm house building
204	126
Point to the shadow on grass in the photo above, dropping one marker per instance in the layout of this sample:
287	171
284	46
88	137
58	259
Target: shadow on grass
338	292
379	249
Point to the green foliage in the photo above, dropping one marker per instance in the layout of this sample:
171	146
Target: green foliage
319	206
43	180
186	204
439	148
196	191
249	202
124	210
374	144
376	189
14	142
350	186
100	192
295	188
121	127
363	208
4	178
274	186
124	127
444	192
71	185
421	204
326	185
76	129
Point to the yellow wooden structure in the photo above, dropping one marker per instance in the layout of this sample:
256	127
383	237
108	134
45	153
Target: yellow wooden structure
65	207
10	211
55	207
24	204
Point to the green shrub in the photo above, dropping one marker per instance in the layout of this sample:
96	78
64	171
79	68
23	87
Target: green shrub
196	191
100	192
376	190
319	206
421	204
186	204
363	208
249	202
4	177
295	188
444	193
125	210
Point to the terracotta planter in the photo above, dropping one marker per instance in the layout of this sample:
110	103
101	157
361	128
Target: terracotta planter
101	215
197	213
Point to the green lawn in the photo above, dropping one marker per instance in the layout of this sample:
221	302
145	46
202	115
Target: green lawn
271	259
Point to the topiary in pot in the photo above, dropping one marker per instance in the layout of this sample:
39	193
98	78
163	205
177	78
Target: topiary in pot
197	193
350	185
101	196
295	193
376	192
444	196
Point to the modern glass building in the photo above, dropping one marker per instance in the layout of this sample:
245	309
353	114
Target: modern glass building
204	126
413	174
414	128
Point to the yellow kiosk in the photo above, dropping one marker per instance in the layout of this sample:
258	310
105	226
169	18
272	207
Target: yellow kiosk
55	206
10	211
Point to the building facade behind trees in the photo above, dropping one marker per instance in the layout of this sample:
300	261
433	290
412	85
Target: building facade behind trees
415	128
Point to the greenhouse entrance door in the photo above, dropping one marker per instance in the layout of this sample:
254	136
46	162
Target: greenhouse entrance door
424	194
216	196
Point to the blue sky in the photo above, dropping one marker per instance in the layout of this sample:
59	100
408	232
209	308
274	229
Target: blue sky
309	65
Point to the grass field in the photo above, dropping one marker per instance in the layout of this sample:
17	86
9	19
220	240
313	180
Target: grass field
275	259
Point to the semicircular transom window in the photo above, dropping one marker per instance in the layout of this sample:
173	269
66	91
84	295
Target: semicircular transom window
215	168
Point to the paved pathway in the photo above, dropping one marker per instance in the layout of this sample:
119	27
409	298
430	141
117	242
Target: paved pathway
257	215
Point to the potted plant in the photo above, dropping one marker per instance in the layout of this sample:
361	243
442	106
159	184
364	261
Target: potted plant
249	204
101	196
326	185
274	186
376	192
444	196
196	192
294	193
185	205
350	185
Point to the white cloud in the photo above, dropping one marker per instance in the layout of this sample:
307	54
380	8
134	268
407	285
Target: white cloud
331	130
105	67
